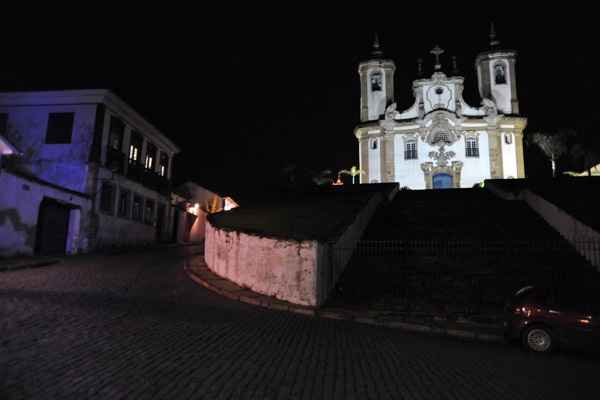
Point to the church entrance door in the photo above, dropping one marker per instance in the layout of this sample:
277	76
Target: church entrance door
442	181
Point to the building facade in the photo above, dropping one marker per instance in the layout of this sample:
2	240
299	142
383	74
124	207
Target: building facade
440	141
101	174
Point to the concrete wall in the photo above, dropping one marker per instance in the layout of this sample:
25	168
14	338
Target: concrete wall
285	269
299	272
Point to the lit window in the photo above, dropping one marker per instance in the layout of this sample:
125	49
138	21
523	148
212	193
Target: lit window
60	128
163	168
472	150
150	156
411	149
135	148
376	82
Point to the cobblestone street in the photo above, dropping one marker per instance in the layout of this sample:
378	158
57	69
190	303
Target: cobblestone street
134	326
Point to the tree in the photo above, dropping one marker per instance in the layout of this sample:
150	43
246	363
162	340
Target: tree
322	177
352	171
553	146
585	153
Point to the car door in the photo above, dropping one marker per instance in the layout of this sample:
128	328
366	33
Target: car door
570	315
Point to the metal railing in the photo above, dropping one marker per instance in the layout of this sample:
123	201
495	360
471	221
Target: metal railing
452	276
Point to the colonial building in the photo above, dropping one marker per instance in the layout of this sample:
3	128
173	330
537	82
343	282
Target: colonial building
81	171
441	141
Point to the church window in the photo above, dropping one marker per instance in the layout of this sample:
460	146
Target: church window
499	73
440	136
507	138
411	149
373	144
376	82
472	149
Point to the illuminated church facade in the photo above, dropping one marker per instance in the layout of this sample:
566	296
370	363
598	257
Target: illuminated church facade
440	141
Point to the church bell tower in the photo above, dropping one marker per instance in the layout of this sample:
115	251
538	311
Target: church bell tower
376	84
496	76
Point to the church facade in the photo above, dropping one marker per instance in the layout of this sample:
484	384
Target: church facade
440	141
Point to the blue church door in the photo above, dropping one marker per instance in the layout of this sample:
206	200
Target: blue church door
442	181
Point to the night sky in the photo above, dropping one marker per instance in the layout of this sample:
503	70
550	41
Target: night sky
241	86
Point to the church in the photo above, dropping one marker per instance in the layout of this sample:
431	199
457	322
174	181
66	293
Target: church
441	141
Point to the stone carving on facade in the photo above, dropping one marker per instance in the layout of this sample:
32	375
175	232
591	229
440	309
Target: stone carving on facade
390	111
489	107
442	156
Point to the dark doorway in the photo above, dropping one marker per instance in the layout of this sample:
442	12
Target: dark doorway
175	226
53	227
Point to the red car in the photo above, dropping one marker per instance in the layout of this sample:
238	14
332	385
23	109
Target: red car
546	316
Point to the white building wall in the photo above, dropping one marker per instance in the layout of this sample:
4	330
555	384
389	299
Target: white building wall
376	99
61	164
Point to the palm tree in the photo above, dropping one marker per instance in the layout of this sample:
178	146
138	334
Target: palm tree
322	177
353	171
552	145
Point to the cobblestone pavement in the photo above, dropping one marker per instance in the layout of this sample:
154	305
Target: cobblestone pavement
134	326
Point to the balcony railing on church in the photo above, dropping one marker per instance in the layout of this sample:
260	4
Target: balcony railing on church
115	161
410	154
135	171
472	152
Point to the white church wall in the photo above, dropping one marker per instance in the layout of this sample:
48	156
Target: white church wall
408	172
376	98
501	92
374	160
509	155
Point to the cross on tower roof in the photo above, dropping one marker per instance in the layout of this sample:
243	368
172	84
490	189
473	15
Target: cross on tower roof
437	51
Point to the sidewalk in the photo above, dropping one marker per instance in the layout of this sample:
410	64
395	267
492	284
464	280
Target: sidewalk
197	270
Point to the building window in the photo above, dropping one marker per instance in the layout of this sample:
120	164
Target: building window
60	128
3	124
507	138
135	148
499	73
136	208
440	136
411	149
107	197
123	206
115	159
376	82
163	167
115	134
149	212
472	149
150	156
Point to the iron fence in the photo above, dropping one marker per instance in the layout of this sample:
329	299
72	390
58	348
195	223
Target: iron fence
451	276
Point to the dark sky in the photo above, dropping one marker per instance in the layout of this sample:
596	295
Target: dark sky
238	85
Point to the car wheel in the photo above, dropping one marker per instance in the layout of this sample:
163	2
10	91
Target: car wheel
539	339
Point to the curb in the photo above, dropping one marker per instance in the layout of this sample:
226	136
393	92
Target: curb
16	267
197	270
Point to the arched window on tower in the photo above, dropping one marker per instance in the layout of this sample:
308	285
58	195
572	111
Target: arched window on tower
376	81
499	73
472	149
373	144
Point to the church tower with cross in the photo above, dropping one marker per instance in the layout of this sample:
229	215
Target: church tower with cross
441	141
